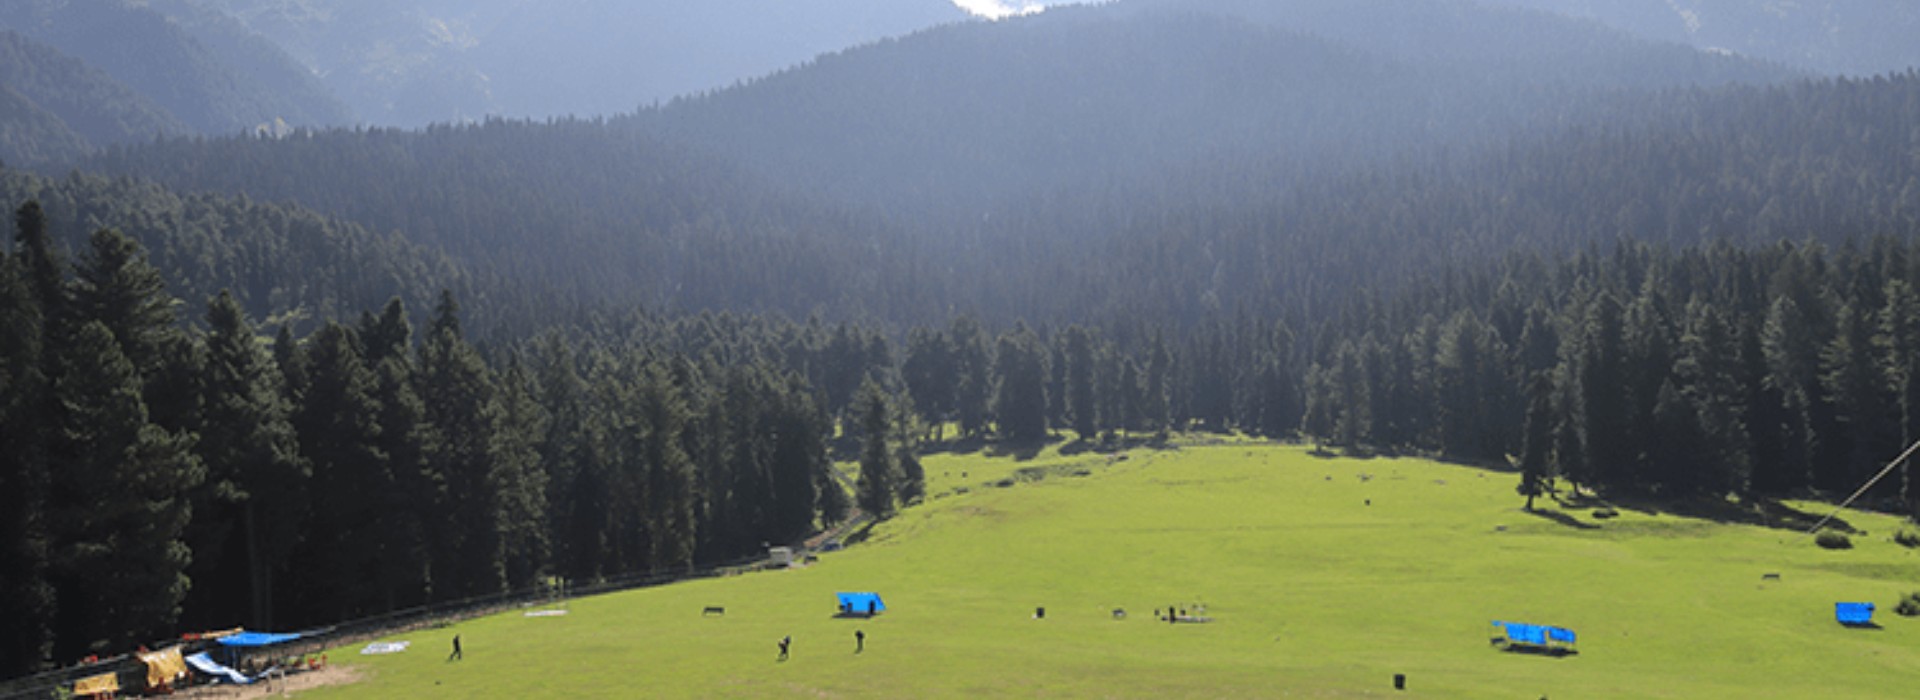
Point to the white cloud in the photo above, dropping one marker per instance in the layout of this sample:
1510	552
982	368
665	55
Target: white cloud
1000	9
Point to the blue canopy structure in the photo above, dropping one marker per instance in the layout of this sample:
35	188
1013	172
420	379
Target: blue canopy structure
1853	614
257	639
861	603
1537	636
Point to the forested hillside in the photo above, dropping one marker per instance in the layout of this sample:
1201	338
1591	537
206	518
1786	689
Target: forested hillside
1852	37
60	108
414	62
226	85
948	135
598	214
279	262
1827	160
955	122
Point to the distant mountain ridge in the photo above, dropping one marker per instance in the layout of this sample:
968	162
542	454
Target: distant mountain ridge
1844	37
971	166
963	119
413	62
117	71
57	108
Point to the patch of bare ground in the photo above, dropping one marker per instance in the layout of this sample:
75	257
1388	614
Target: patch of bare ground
276	687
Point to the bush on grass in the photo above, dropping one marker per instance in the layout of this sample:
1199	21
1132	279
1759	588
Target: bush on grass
1909	606
1833	539
1907	538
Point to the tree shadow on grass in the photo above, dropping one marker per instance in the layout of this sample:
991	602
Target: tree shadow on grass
1530	650
1021	451
956	446
1561	518
1766	513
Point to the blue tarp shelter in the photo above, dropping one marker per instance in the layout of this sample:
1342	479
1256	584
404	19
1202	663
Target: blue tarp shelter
1853	614
1539	636
257	639
861	603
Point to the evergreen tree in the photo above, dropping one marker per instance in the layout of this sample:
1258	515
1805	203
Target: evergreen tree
464	425
973	385
930	375
26	598
344	562
1535	450
1852	380
523	482
1080	381
1154	412
115	286
119	507
876	486
1709	370
1606	409
1792	358
1020	391
1897	343
254	508
801	475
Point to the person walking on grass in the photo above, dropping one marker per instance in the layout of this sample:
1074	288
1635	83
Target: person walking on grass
784	643
859	641
456	655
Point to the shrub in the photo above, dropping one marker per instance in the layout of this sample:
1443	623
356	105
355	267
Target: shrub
1909	606
1833	539
1907	538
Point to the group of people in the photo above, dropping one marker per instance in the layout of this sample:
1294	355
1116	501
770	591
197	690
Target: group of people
786	644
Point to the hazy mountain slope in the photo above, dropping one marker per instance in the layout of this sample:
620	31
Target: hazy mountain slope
279	261
263	64
1827	161
61	107
987	143
588	58
1852	37
410	62
30	135
595	212
143	50
955	121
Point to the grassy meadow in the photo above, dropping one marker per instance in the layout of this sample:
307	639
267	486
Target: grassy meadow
1314	593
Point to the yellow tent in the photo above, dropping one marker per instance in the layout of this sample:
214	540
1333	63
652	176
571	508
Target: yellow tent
105	684
164	667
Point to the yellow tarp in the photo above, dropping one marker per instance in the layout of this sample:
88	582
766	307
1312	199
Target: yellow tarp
164	667
97	685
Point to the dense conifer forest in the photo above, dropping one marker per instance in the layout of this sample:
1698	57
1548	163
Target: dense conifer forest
293	377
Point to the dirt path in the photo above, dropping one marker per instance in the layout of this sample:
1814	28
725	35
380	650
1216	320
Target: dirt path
279	687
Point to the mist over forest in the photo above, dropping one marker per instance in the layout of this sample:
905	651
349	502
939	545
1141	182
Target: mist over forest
583	289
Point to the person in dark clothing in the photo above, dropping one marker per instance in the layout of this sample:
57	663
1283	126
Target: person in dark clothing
859	641
784	643
456	655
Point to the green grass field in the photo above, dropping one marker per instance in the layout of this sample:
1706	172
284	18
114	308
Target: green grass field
1314	594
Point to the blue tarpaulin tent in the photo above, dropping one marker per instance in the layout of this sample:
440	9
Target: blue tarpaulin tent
257	639
1858	614
861	603
1538	636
